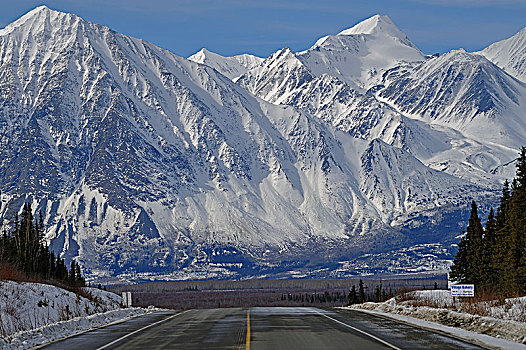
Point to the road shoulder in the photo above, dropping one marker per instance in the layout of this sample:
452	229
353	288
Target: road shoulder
483	340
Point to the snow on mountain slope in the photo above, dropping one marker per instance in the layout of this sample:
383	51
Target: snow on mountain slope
283	79
139	148
509	54
462	91
356	56
362	116
148	165
231	67
396	183
276	77
360	54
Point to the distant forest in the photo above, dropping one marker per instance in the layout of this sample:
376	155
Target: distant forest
25	255
493	258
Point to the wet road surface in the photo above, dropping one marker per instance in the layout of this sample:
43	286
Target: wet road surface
257	328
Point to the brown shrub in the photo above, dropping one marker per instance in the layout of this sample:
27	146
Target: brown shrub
11	272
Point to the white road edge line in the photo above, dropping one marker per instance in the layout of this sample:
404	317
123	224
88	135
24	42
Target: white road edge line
360	331
139	330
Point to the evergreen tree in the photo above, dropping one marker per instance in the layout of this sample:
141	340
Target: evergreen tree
80	280
72	275
378	293
25	248
475	233
496	256
460	268
515	269
352	297
500	250
468	265
361	292
488	245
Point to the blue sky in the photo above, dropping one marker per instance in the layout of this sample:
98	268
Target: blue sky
231	27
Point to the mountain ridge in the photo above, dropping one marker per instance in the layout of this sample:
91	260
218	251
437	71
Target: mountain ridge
509	54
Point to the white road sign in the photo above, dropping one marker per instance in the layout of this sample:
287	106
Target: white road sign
462	290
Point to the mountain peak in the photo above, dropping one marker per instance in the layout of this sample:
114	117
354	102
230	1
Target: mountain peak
374	25
202	55
232	67
37	12
36	16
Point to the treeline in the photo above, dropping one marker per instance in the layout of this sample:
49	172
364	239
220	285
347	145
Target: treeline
379	294
24	249
493	258
315	298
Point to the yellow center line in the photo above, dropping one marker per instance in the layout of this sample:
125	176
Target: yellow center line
247	342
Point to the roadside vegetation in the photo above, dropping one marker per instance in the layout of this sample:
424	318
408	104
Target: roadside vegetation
36	287
493	258
25	256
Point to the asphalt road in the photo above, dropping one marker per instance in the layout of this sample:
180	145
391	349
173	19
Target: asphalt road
256	328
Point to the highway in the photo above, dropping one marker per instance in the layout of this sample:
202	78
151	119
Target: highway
270	328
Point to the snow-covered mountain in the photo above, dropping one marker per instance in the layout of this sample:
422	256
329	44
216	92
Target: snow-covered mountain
509	54
357	56
149	165
233	67
463	91
456	113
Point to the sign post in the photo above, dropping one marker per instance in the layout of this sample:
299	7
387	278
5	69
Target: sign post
126	299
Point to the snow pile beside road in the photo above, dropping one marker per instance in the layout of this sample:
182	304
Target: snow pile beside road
502	321
25	306
513	309
33	313
63	329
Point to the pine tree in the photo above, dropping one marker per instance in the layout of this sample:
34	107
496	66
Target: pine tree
352	297
72	275
25	248
515	269
501	238
475	250
488	245
79	280
361	292
378	293
468	265
495	257
460	268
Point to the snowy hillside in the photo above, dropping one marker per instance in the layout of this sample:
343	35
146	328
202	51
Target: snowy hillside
509	54
25	306
147	165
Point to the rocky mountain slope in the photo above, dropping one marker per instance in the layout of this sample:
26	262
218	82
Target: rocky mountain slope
148	165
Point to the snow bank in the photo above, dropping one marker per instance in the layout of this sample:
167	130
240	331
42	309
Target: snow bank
32	314
513	309
25	306
501	322
63	329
